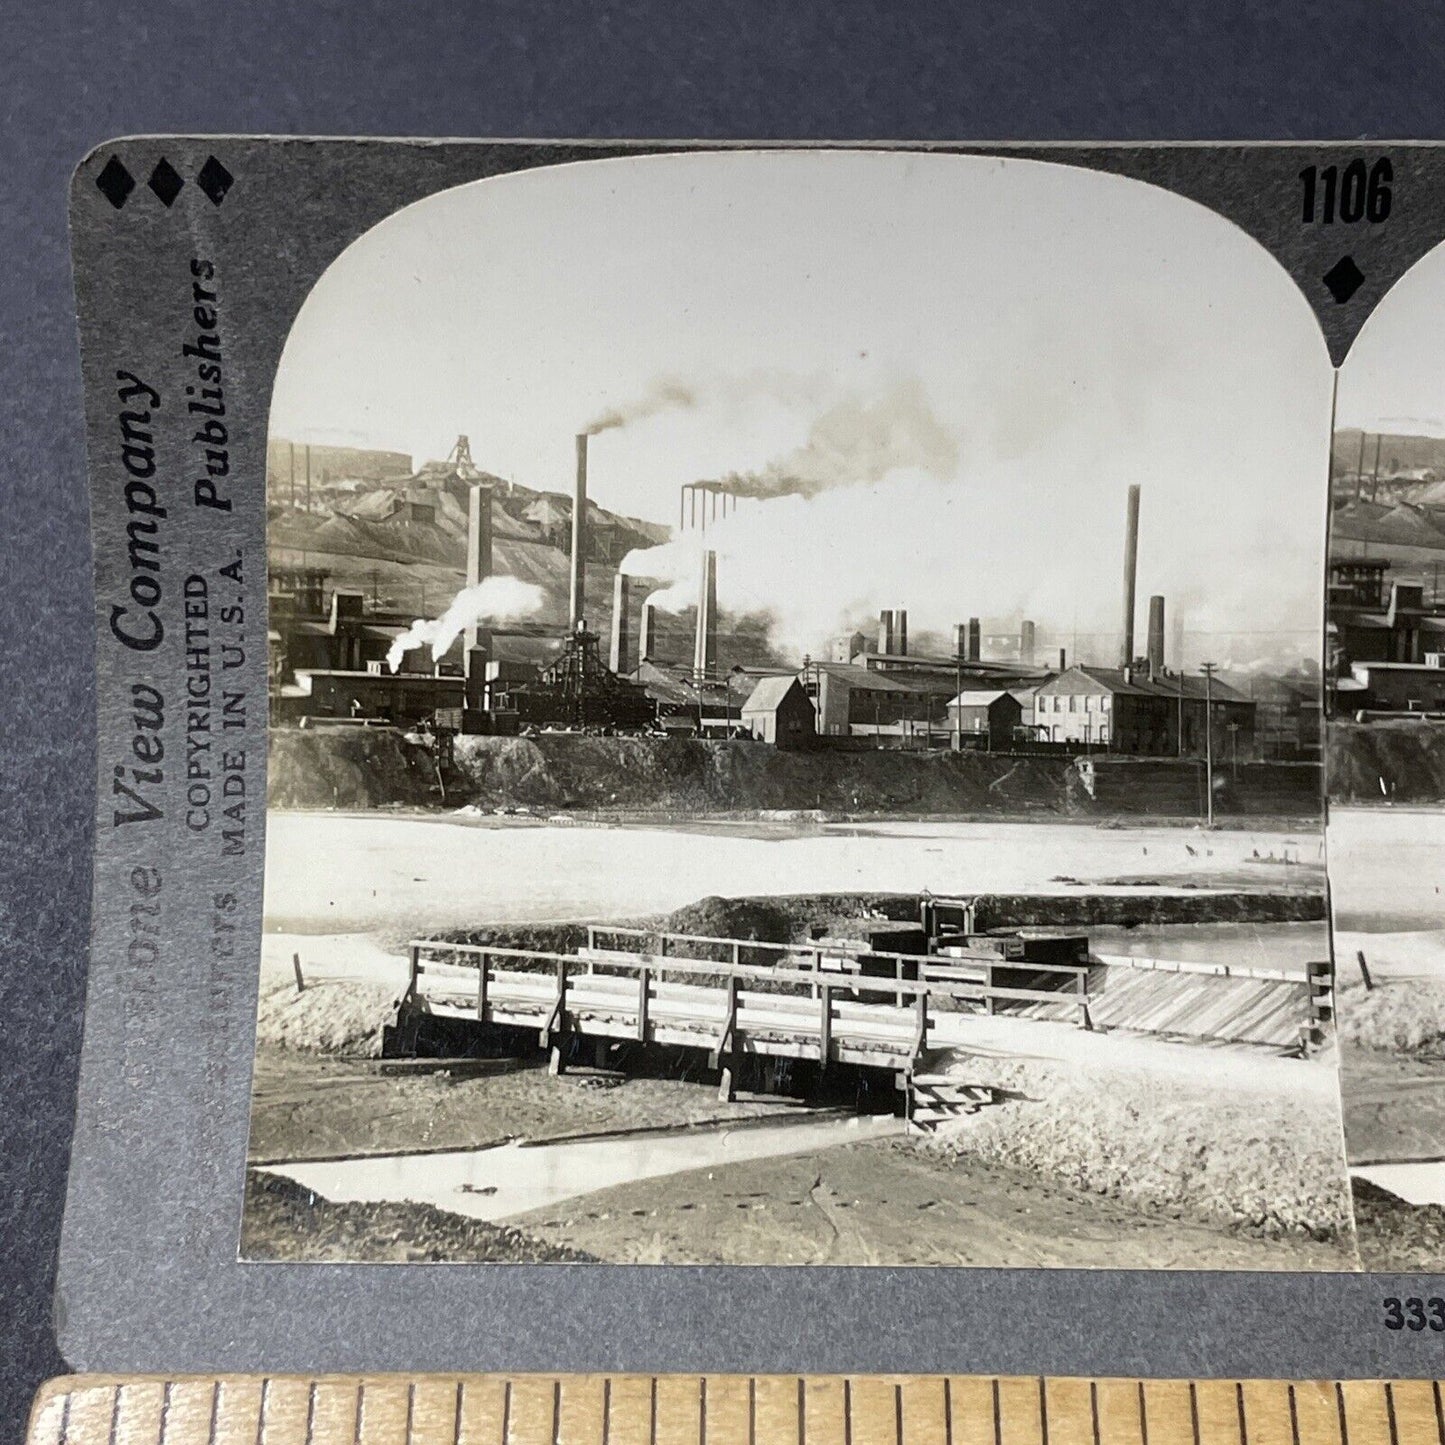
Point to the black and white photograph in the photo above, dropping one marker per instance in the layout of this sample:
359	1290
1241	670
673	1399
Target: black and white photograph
1386	693
797	689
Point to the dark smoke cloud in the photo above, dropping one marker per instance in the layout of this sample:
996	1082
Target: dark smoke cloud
666	394
853	442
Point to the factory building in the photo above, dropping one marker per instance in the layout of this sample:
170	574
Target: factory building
1384	641
851	701
1126	710
1396	687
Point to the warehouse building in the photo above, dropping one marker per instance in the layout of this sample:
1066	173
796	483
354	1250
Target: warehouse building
779	712
985	719
1125	710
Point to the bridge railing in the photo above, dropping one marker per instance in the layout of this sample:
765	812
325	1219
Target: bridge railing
427	955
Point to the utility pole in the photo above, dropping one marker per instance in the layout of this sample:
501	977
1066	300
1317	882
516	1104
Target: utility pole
1209	669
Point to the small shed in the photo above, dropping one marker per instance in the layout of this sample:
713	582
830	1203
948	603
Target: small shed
779	712
991	714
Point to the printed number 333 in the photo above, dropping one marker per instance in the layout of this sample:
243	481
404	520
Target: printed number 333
1414	1313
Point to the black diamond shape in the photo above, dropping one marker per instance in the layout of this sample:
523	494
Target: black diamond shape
115	182
214	180
1344	278
165	181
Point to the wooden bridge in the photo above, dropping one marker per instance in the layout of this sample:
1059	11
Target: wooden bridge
810	1005
840	1001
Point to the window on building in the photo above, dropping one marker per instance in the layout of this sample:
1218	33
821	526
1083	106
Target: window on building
1073	702
1089	703
1104	703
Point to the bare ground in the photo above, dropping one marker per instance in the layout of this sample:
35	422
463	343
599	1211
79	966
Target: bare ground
885	1202
914	1201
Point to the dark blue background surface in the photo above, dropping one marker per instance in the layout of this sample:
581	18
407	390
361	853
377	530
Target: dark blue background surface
76	74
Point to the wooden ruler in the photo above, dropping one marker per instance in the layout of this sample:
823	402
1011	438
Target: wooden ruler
731	1410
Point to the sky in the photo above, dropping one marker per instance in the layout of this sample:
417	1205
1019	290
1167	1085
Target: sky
969	358
1393	378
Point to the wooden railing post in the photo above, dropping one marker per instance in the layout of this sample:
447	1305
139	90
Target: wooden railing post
557	1020
1085	1018
414	974
483	965
825	1026
644	980
920	1036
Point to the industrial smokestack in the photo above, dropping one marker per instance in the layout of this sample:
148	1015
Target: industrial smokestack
578	599
1063	660
1026	642
704	652
975	639
647	633
479	546
885	631
900	632
960	639
1131	569
1156	637
619	657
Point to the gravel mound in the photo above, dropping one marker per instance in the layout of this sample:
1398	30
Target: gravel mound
330	1016
1399	1017
1274	1166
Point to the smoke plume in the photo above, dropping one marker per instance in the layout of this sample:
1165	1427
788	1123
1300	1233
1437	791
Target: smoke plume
665	394
856	441
493	599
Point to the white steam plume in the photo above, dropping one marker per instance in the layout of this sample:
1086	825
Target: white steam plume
493	599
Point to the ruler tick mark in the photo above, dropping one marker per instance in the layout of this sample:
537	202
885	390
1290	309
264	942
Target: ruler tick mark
1439	1413
1293	1418
1340	1407
1390	1413
1094	1407
1143	1416
507	1413
1194	1411
948	1412
457	1414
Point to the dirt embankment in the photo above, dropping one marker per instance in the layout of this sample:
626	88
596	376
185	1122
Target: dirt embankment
1386	762
368	768
283	1221
348	768
1395	1237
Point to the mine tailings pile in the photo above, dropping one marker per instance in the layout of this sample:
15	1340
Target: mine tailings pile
361	768
1387	762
